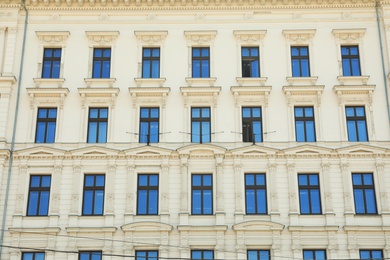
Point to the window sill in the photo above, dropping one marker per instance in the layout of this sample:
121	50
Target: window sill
302	80
57	82
201	81
94	81
357	80
251	81
150	81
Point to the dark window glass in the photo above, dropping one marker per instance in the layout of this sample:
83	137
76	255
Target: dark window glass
201	62
356	124
97	125
255	194
258	255
371	254
350	60
151	62
148	129
93	197
46	125
364	193
202	254
300	61
202	194
309	194
200	125
252	124
146	255
90	255
147	194
304	124
101	63
51	63
250	62
33	256
39	195
314	255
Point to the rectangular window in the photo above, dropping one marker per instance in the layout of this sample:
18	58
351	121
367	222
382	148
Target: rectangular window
202	194
350	60
39	195
151	62
314	255
51	63
200	125
101	63
97	125
304	124
46	125
255	194
90	255
250	62
147	194
371	254
202	254
200	62
146	255
364	193
258	255
93	197
252	124
356	124
300	61
33	256
148	127
309	194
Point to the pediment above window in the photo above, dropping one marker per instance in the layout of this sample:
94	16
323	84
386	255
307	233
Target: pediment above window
200	95
148	152
299	36
202	228
149	95
311	94
49	82
90	229
362	149
95	152
202	150
47	95
362	93
307	150
102	37
250	94
349	35
98	95
53	37
151	37
146	227
200	37
39	152
249	36
254	150
258	225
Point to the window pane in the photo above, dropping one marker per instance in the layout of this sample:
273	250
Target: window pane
195	132
359	201
153	201
300	131
361	124
41	130
153	180
196	202
249	179
88	202
155	68
143	180
99	197
51	131
205	69
33	203
207	202
310	131
102	138
305	68
205	112
260	179
196	180
351	131
44	203
100	180
304	201
370	201
302	179
261	201
315	201
154	112
142	200
250	201
195	113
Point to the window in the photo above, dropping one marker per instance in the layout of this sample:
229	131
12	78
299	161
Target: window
251	124
250	62
38	195
202	254
90	255
202	194
255	194
371	254
350	60
300	61
258	254
151	62
148	129
146	255
51	63
93	198
97	125
46	125
304	124
356	124
101	63
364	193
201	62
33	256
147	194
314	255
309	194
200	125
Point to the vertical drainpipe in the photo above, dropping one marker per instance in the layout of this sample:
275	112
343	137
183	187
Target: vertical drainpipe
23	4
383	59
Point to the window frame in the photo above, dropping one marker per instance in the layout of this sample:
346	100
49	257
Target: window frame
305	119
90	254
258	253
256	187
201	59
33	254
309	188
202	188
202	251
151	59
149	120
51	60
356	119
364	187
101	59
349	57
314	251
148	188
93	188
251	120
248	61
39	189
147	257
201	120
300	58
46	121
97	120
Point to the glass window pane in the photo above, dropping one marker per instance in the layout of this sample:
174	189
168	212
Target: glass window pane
100	180
196	202
359	201
146	69
300	131
46	181
302	179
205	112
207	180
207	202
195	136
155	69
41	130
261	201
153	201
246	112
205	69
351	131
195	52
249	179
313	178
153	180
305	68
51	131
245	52
102	132
196	180
315	201
154	112
35	181
142	199
97	69
260	179
106	53
33	203
44	203
359	111
256	112
103	113
357	179
350	111
143	180
310	131
155	52
367	179
370	201
195	113
304	201
320	254
99	198
250	201
98	52
88	202
362	130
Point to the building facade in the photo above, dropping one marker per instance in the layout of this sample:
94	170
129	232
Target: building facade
194	129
